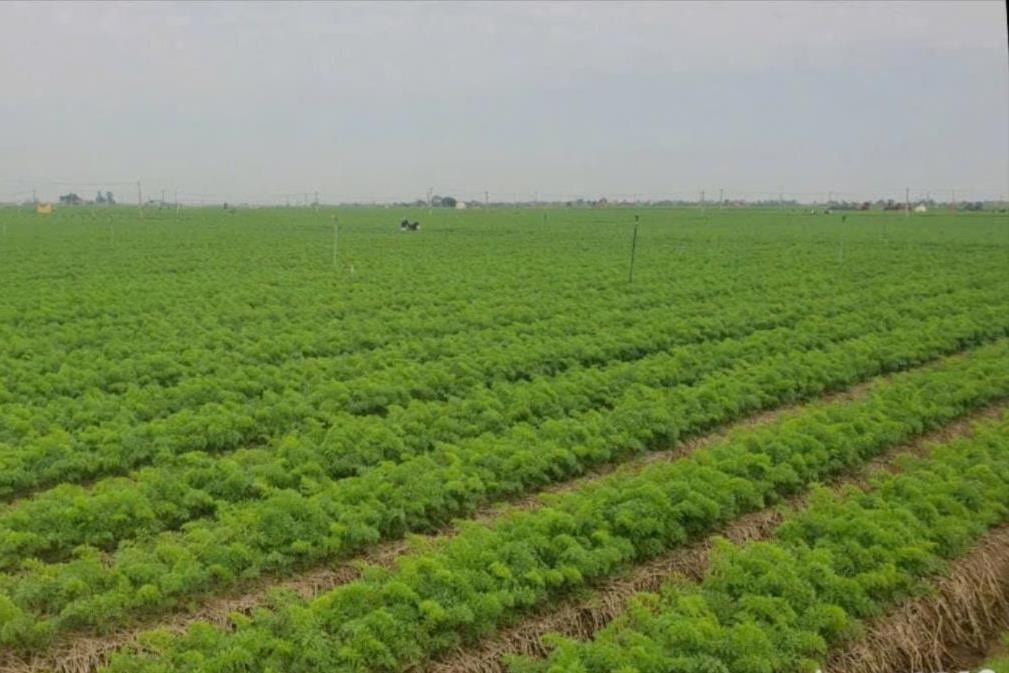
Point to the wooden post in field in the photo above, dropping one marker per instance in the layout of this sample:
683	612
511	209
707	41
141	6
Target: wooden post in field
336	239
634	249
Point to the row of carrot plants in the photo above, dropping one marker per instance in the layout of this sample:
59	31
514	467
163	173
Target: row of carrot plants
780	605
288	530
252	403
53	372
52	524
479	580
235	364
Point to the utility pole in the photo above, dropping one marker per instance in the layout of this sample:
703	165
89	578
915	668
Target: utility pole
953	200
486	198
140	197
35	199
634	249
317	198
536	198
336	234
721	197
429	190
702	199
907	202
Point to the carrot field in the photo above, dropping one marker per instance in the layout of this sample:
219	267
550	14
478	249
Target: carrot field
293	439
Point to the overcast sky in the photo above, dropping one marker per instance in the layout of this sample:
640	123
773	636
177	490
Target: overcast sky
381	101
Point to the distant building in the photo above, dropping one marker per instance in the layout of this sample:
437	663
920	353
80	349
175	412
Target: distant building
921	208
460	205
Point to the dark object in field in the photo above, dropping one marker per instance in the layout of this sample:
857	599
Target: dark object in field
407	225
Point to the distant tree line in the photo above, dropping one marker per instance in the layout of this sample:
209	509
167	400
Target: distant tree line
436	202
73	199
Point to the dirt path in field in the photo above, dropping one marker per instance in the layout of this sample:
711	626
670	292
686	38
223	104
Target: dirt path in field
84	653
582	617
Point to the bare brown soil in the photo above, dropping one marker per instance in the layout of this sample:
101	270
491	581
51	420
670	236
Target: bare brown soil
951	630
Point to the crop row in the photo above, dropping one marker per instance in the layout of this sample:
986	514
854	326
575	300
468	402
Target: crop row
219	397
401	333
288	530
780	605
482	578
53	523
210	426
205	376
218	415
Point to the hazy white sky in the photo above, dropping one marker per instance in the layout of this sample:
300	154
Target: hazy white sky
382	101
